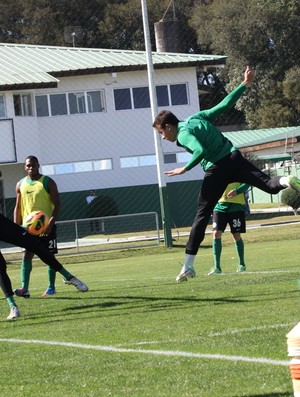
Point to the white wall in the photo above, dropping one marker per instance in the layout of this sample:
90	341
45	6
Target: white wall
110	134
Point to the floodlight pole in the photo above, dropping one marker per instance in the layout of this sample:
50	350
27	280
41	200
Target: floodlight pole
163	195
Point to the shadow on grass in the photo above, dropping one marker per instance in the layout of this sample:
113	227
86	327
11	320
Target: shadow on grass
184	245
163	302
127	304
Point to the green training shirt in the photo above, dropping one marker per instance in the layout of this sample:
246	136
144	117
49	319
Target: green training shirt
202	139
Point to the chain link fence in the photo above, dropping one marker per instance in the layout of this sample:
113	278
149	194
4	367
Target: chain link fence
92	130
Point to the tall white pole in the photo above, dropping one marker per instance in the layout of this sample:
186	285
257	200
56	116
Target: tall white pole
157	139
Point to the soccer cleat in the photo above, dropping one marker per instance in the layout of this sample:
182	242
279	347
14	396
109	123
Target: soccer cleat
241	268
293	182
185	274
77	283
14	313
49	291
215	271
23	292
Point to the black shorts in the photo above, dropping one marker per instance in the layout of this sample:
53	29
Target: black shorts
50	241
236	221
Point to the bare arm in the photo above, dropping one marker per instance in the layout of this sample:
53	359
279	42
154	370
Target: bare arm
54	195
17	210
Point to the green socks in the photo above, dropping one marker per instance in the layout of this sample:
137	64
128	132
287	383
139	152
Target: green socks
66	274
11	302
26	268
217	250
51	277
239	246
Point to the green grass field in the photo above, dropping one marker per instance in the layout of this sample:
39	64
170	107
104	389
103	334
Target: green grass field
138	333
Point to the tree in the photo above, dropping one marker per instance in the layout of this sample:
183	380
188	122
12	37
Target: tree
104	23
291	198
265	34
11	21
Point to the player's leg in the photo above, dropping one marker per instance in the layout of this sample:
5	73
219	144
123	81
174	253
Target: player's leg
212	188
248	173
219	225
26	268
14	234
50	242
6	287
237	224
239	246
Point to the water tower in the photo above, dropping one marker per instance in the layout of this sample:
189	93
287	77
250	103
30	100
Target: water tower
168	33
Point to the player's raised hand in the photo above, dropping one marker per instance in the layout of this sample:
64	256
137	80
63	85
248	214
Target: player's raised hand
249	75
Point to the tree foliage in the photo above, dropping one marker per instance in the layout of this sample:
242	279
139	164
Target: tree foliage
263	33
291	198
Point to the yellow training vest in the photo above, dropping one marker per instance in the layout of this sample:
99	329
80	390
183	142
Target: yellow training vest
35	196
238	199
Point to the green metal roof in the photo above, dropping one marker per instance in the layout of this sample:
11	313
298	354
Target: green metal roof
274	158
246	138
31	65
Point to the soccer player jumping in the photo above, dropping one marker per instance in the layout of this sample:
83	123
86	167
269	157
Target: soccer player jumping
221	161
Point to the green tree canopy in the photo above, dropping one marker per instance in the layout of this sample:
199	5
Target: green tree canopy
264	34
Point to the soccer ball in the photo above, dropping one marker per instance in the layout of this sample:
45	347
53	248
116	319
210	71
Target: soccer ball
36	222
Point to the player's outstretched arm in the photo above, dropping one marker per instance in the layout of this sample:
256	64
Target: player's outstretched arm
230	100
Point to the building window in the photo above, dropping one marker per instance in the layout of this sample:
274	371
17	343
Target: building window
69	104
95	100
139	98
58	104
23	104
178	94
2	107
170	158
100	165
76	167
162	95
65	168
77	102
83	166
42	106
137	161
122	99
183	157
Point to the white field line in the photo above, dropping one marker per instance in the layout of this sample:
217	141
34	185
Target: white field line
252	329
216	334
174	353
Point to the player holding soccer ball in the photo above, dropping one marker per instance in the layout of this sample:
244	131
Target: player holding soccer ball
37	192
221	161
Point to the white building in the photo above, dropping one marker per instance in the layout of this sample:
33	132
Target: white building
85	113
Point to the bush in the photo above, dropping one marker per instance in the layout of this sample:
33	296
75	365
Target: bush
291	198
